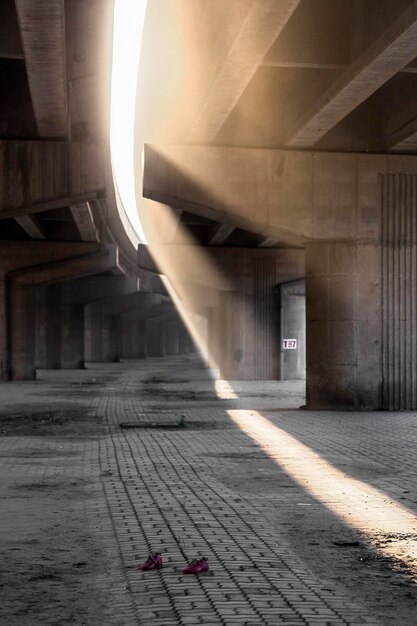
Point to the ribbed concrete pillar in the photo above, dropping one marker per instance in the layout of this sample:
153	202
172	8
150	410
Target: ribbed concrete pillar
231	335
213	334
22	332
344	330
399	291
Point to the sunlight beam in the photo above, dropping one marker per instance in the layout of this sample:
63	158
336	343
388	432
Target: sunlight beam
389	528
129	17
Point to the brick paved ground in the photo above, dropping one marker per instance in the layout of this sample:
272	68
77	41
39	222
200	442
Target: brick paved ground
209	489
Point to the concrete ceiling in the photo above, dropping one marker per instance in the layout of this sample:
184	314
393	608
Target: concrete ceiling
282	73
321	74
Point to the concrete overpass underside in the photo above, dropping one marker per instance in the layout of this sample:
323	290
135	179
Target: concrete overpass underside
280	145
240	382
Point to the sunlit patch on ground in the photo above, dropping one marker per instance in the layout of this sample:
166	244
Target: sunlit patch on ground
386	525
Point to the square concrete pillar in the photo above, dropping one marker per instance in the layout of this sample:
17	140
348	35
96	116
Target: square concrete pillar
172	339
155	338
22	332
344	329
72	336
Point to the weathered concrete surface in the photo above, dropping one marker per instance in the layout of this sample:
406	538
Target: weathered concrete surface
344	326
390	53
262	25
32	172
42	28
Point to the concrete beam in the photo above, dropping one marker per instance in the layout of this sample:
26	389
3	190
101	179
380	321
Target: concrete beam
103	260
307	65
47	205
42	29
32	172
388	55
31	226
303	65
10	43
405	138
84	220
294	196
5	54
265	21
268	242
223	231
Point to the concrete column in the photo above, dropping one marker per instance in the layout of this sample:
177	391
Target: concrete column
172	339
133	342
92	334
132	336
48	327
72	336
182	340
4	365
22	332
111	339
59	330
231	335
102	334
344	330
155	338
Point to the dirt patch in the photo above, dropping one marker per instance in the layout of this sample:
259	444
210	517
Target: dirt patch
195	425
53	570
50	422
172	395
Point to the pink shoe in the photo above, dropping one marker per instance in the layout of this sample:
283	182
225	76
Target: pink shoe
154	561
197	566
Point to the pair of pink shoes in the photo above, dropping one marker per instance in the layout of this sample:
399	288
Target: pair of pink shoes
197	566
